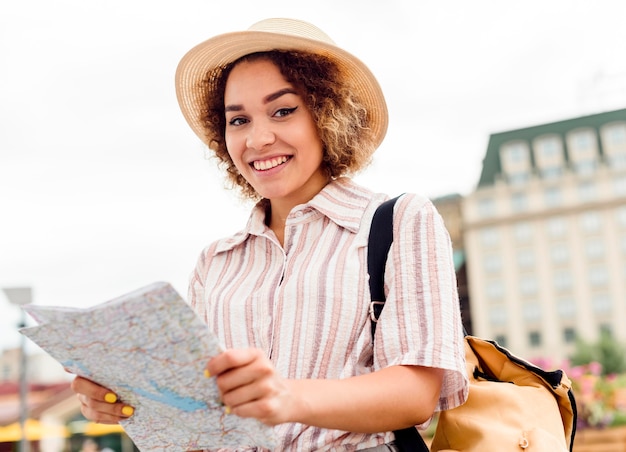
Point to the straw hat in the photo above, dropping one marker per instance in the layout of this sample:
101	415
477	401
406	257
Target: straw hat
273	34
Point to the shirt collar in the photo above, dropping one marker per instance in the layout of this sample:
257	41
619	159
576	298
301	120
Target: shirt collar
342	201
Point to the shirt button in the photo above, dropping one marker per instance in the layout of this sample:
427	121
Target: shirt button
299	214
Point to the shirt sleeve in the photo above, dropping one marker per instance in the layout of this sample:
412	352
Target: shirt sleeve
195	294
421	322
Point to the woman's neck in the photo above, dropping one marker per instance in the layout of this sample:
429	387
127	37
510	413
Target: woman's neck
277	212
280	207
276	218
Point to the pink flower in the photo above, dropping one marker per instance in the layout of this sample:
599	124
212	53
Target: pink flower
595	368
576	372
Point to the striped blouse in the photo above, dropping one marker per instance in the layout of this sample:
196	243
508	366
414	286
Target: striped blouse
306	303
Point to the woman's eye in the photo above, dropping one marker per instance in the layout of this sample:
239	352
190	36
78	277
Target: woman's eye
237	121
285	112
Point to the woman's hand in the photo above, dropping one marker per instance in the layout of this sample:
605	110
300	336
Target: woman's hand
250	386
99	404
380	401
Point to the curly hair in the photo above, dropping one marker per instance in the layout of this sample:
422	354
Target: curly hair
341	119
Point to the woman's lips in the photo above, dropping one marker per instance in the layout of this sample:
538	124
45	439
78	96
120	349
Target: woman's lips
264	165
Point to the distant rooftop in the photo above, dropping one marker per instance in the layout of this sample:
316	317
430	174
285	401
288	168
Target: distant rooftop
491	163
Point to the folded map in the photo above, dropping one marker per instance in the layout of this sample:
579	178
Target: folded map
150	348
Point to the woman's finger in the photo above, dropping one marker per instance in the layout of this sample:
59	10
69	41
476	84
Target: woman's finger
100	404
104	412
231	359
93	390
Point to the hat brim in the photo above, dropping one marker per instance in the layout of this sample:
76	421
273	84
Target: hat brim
226	48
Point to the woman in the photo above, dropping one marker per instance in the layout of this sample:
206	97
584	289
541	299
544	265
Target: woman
289	115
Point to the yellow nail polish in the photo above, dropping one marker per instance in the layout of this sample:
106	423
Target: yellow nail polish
207	373
227	410
128	410
110	397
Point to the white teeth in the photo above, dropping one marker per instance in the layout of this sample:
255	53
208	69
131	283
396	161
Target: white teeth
265	165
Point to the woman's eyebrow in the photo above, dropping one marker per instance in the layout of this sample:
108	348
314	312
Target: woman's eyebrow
228	108
266	99
277	94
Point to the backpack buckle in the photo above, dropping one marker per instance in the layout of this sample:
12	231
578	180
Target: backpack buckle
373	311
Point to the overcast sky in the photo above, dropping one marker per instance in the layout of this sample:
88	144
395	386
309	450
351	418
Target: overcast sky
104	188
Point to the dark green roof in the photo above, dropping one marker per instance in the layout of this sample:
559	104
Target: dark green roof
491	162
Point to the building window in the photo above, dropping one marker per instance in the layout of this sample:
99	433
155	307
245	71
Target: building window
586	191
551	173
532	312
619	183
616	134
606	330
489	237
534	338
519	202
515	160
497	316
620	213
582	140
501	340
583	150
563	280
515	153
548	151
594	248
486	207
590	221
559	253
519	178
523	232
598	276
614	144
566	307
601	303
552	197
557	227
618	161
495	291
585	168
569	335
528	285
548	148
582	144
493	263
525	258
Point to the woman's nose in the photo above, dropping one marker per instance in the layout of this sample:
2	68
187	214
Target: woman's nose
259	136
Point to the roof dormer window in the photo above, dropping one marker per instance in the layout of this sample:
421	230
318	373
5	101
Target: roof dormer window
582	145
549	156
516	162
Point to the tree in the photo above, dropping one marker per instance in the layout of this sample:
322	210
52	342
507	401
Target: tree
610	354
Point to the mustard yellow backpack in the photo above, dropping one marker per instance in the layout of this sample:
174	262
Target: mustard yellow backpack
512	404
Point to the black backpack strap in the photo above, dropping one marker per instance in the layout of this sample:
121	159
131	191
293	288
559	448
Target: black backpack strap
380	239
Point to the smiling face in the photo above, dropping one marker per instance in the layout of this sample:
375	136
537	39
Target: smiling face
271	136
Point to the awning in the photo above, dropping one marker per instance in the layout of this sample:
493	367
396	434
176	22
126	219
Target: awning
88	428
94	429
35	431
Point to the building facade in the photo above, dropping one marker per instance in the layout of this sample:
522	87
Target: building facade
450	209
545	235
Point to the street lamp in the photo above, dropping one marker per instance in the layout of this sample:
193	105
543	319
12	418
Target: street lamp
21	296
